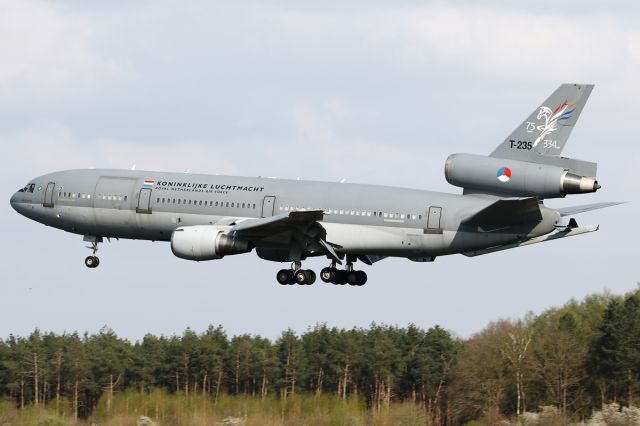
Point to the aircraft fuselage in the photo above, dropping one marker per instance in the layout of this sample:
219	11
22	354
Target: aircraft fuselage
363	219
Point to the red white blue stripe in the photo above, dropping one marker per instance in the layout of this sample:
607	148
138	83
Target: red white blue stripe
148	183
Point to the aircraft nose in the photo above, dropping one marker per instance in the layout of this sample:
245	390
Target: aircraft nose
14	201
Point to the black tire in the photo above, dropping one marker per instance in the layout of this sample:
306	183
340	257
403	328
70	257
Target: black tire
90	262
283	276
352	277
292	277
328	275
341	277
362	278
301	277
311	275
97	261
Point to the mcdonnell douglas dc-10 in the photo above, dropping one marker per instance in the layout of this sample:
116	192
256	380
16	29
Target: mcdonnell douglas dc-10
207	217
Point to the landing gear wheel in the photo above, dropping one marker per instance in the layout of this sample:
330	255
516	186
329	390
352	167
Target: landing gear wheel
305	277
328	275
362	278
358	278
284	276
91	261
312	276
341	277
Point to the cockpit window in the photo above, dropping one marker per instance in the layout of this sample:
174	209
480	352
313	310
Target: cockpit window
28	188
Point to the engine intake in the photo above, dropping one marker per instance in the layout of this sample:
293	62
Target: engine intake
206	243
515	178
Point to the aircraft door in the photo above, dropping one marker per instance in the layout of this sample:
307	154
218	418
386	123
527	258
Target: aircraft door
267	206
433	220
144	201
48	194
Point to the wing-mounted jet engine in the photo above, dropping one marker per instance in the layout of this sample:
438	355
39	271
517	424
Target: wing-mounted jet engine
207	242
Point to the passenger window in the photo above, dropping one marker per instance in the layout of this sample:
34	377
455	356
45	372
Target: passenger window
125	197
216	204
189	202
254	206
174	200
158	201
408	216
227	204
420	216
163	200
210	203
243	205
89	196
179	201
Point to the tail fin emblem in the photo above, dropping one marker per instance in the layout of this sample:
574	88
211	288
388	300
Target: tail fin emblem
551	118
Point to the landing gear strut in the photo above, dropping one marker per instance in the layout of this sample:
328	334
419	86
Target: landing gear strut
92	261
296	275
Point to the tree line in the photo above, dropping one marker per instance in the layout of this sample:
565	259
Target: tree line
575	358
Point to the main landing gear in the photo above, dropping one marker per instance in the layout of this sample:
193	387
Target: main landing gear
296	275
341	277
92	261
331	274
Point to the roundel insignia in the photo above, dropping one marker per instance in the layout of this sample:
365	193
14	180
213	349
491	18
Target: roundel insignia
504	174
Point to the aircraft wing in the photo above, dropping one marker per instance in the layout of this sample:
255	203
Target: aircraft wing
298	228
506	213
282	223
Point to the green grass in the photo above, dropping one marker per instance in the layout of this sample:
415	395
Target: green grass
199	410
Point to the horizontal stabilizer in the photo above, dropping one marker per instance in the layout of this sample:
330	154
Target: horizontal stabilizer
568	211
569	232
506	213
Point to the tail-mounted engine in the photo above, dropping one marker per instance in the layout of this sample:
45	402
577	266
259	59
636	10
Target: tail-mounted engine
207	243
489	175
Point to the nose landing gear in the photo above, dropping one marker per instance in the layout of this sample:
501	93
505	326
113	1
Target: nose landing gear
92	261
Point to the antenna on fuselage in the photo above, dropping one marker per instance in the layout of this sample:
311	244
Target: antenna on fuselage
133	167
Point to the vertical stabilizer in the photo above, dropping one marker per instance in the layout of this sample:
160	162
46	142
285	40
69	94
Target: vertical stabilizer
546	131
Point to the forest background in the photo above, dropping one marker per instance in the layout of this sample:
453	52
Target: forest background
570	360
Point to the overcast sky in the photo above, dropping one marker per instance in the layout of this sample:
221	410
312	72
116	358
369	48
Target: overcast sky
369	91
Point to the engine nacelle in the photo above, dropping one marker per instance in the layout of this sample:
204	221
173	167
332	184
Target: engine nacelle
206	242
515	178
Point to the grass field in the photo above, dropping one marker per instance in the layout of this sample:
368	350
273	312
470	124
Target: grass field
199	410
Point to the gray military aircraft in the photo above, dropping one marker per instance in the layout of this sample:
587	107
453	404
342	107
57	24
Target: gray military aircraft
207	217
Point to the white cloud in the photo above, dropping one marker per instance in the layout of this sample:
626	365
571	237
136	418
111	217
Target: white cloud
47	48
